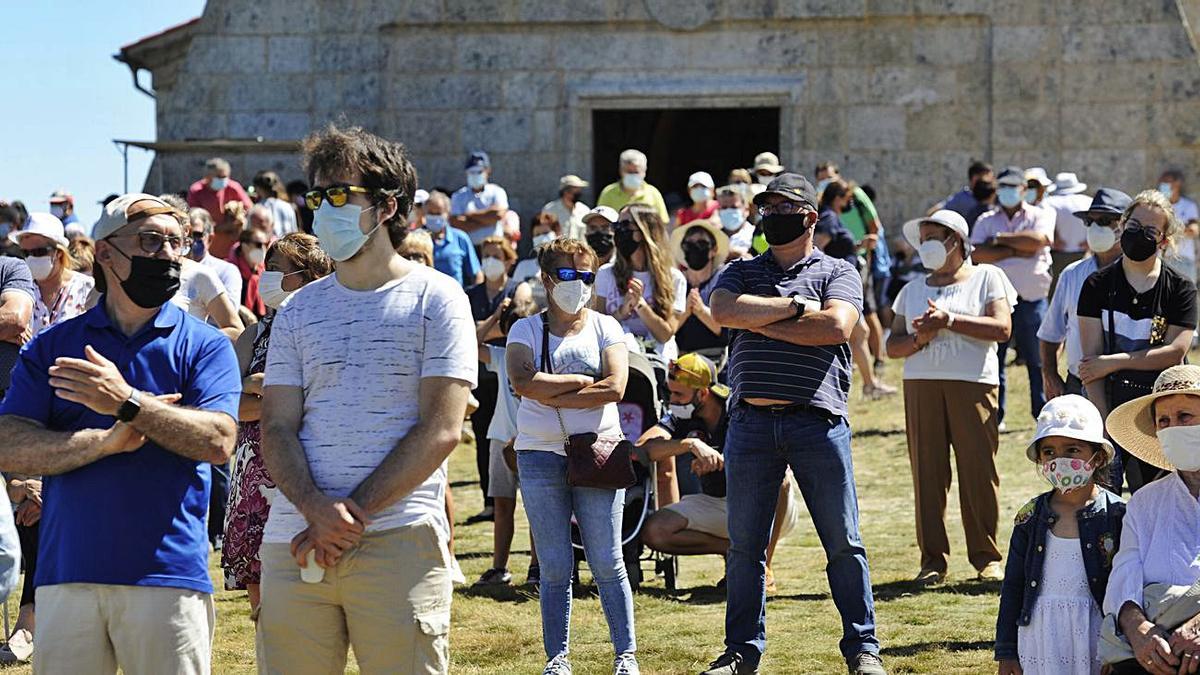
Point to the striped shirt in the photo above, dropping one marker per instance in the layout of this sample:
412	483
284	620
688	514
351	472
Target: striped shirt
762	367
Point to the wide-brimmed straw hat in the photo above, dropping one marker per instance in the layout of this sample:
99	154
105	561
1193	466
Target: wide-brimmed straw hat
713	228
1132	425
1071	416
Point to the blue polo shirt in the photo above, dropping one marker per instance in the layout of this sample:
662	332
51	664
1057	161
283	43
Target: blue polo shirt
136	518
454	254
762	367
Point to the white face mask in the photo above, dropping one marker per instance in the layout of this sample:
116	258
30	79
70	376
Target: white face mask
731	219
256	256
763	180
571	296
40	266
218	184
631	181
493	268
933	254
337	229
58	211
682	412
543	239
270	287
1181	445
435	224
699	195
1100	238
476	179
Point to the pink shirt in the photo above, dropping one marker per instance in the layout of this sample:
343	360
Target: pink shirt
199	194
1030	276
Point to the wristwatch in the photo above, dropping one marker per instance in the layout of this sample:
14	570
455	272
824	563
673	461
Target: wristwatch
130	408
799	306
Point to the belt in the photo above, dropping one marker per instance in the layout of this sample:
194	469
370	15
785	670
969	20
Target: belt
792	408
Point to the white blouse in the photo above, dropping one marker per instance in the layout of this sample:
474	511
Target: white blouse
1160	542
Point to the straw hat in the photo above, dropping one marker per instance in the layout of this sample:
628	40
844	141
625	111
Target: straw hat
1132	425
1071	416
681	231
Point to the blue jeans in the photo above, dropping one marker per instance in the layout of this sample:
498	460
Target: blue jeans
759	446
549	503
1026	319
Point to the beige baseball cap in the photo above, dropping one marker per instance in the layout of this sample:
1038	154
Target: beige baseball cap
572	181
128	209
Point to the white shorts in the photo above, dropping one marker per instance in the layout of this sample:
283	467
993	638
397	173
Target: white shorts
502	481
709	514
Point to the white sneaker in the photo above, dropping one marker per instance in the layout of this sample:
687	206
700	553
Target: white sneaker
558	665
456	574
19	647
1003	428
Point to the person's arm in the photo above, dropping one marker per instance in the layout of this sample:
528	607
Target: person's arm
1052	380
472	270
31	449
1025	241
489	328
1012	594
662	328
224	314
1123	597
608	389
748	312
704	314
16	309
250	404
902	344
831	325
1052	333
1159	357
529	382
989	253
994	326
1091	344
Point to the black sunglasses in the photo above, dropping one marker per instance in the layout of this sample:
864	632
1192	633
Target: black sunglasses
570	274
1106	221
38	252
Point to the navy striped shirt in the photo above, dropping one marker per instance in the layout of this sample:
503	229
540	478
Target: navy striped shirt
762	367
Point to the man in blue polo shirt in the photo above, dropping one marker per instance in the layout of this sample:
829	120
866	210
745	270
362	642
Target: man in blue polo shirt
136	390
792	310
453	252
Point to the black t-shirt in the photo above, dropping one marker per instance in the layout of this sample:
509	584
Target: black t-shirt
1139	320
693	335
711	484
841	242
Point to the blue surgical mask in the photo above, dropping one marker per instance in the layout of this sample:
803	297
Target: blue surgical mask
337	229
821	184
198	249
631	181
218	184
1009	196
58	211
476	179
1030	195
1165	188
436	224
731	219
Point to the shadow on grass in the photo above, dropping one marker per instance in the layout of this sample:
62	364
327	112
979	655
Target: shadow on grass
869	433
951	646
901	589
463	483
699	595
514	594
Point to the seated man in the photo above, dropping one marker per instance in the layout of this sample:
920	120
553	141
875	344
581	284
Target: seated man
696	524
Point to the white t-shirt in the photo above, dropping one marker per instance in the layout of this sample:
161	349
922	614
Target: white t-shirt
283	216
504	420
1186	211
229	275
359	357
743	239
954	356
198	286
1069	229
606	287
580	354
570	219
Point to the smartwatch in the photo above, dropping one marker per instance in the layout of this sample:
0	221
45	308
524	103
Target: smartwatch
130	408
799	306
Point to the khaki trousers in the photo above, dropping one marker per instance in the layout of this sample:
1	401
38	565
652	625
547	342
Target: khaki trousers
389	598
939	414
144	630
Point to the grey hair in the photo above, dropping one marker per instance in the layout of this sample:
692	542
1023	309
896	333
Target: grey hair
216	164
438	196
262	212
635	157
203	217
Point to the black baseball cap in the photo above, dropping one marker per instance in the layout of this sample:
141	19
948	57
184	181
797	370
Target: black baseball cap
1013	176
1106	202
790	186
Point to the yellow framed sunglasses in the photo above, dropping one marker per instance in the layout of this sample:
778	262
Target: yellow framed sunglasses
337	195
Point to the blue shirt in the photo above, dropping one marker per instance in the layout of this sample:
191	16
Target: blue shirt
841	242
136	518
16	278
762	367
454	255
966	205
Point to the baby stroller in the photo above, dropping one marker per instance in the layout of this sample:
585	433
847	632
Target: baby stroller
639	409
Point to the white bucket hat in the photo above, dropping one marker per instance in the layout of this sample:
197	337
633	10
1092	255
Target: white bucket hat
1039	174
1067	183
1070	416
1132	425
45	224
946	218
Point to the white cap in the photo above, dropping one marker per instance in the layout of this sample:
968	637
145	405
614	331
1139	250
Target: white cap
1071	416
946	218
420	197
1039	174
702	178
1067	183
606	212
44	224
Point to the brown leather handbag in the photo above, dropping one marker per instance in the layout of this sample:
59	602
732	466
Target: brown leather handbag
592	461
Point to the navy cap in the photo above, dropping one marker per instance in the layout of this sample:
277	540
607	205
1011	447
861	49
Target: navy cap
1107	202
790	186
1011	176
478	159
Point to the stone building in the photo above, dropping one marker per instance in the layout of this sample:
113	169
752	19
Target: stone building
903	94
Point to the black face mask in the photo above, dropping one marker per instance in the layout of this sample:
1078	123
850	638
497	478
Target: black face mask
696	254
983	190
601	242
1138	244
626	244
780	229
151	281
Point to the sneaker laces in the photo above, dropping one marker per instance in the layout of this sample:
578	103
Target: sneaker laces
726	659
626	664
559	665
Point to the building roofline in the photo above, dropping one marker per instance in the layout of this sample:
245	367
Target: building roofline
127	53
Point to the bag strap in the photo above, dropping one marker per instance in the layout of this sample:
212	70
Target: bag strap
548	368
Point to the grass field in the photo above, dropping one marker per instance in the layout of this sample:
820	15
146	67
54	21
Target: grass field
945	630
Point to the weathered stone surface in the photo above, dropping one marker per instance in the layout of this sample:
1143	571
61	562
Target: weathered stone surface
876	127
497	52
271	126
290	54
218	54
498	131
1114	125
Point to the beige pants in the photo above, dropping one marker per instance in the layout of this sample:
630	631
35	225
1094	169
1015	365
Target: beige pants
389	598
939	414
144	630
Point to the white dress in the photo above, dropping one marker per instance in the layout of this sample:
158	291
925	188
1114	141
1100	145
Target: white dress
1064	629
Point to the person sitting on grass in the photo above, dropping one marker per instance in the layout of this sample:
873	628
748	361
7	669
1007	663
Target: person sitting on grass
695	426
1062	548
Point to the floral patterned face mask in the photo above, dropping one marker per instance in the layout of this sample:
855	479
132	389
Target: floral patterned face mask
1068	473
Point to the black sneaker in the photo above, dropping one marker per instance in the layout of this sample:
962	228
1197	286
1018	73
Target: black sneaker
730	663
497	576
535	576
866	663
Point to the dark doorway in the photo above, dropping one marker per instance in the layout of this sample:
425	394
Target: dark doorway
680	142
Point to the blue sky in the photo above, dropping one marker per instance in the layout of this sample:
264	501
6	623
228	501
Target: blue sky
65	98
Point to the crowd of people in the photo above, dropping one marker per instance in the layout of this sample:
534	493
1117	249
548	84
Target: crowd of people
287	369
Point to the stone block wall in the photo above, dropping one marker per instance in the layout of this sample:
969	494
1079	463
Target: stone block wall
902	93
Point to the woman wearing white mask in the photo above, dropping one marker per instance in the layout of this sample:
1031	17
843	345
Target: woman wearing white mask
292	261
544	229
249	256
700	191
569	365
947	327
1150	628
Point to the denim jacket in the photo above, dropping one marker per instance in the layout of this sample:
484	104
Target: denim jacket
1099	535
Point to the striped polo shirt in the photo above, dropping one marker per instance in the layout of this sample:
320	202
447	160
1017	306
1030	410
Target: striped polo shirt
762	367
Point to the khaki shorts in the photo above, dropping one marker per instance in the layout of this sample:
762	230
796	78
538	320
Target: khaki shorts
709	514
389	597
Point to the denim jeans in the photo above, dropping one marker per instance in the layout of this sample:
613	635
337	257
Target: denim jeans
1026	319
549	503
759	446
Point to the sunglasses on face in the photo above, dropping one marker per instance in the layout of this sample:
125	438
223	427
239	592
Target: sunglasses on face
1105	221
152	242
571	274
337	195
782	208
38	252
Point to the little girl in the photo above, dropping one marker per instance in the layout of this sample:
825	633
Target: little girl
1061	550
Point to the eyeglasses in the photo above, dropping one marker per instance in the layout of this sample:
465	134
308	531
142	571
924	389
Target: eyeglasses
38	252
785	208
337	195
570	274
1136	225
152	242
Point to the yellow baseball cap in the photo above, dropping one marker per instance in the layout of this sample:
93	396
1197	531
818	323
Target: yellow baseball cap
698	372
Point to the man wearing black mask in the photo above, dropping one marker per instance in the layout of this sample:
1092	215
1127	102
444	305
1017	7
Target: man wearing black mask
135	387
791	311
599	233
976	198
